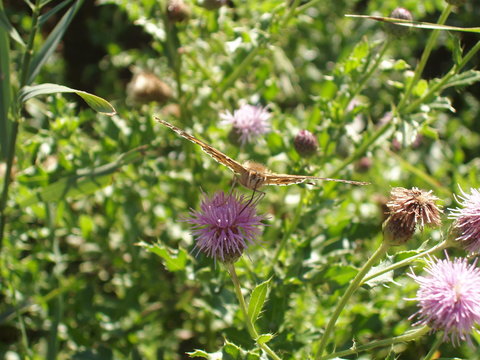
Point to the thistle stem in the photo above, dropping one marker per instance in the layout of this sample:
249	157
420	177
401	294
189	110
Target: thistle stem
434	348
346	296
409	336
243	307
443	245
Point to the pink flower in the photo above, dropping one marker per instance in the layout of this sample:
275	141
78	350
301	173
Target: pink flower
449	298
225	225
467	220
248	122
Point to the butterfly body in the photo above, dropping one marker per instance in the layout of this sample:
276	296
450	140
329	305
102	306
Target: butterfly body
251	175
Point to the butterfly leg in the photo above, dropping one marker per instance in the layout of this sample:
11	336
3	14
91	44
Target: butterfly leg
254	200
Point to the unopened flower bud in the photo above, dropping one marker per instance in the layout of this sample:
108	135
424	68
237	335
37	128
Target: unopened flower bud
305	143
364	164
177	11
145	87
399	30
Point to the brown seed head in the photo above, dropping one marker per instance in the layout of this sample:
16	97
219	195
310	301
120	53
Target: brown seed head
407	209
146	87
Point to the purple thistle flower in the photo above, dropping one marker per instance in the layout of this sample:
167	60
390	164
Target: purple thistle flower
467	220
225	225
248	122
449	298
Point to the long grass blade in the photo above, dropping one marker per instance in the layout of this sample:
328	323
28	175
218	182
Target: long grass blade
52	41
5	24
5	96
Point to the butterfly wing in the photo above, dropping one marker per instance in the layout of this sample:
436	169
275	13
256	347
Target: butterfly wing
286	179
217	155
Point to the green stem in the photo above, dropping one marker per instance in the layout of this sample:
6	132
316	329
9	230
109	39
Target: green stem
25	66
409	336
434	348
443	245
439	85
286	235
423	60
243	307
368	75
346	296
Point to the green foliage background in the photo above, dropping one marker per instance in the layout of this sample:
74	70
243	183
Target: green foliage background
76	285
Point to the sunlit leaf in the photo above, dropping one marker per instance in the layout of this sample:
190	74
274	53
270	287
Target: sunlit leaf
95	102
466	78
264	338
174	260
257	300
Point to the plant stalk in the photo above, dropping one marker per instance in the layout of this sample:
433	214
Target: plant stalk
382	249
243	307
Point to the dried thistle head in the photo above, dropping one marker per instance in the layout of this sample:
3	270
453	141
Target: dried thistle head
409	209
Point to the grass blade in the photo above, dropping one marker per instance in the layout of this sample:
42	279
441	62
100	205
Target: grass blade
4	88
12	32
52	41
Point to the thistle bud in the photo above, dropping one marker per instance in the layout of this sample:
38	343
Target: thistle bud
407	209
145	87
399	30
364	164
177	11
305	143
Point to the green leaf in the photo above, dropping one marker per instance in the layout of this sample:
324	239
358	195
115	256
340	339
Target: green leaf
43	18
51	42
174	260
198	353
257	300
11	31
95	102
341	274
264	338
229	351
466	78
85	181
4	88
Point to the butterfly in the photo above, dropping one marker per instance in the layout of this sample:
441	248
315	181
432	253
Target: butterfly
250	174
